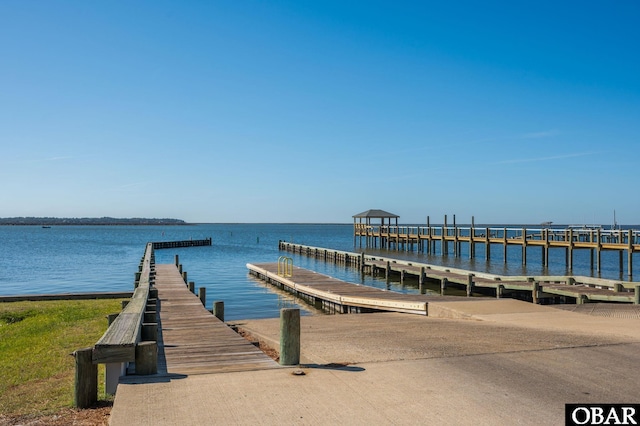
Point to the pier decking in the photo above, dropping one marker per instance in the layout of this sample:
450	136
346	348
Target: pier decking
583	289
193	341
332	294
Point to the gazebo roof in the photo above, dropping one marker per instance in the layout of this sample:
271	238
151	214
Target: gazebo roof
377	214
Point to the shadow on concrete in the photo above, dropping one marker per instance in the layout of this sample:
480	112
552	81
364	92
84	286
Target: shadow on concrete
334	366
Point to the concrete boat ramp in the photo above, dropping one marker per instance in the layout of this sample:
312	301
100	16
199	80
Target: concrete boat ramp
507	362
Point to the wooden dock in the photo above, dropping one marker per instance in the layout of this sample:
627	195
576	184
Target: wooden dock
332	294
193	341
179	244
447	240
582	289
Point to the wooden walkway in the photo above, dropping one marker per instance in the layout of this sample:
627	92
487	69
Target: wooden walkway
332	294
583	289
193	341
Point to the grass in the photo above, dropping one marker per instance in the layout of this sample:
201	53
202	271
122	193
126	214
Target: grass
36	343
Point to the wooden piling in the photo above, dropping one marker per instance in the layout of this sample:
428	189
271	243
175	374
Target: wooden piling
86	379
535	292
469	285
146	358
149	331
192	287
202	294
443	285
218	309
289	336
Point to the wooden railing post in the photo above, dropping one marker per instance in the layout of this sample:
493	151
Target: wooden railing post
86	379
146	358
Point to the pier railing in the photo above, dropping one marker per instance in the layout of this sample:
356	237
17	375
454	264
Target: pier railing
131	337
428	238
581	288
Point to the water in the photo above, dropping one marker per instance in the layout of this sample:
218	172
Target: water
66	259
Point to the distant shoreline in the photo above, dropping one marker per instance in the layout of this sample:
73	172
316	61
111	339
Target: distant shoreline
57	221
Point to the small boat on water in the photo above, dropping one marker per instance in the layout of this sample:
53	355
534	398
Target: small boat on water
46	226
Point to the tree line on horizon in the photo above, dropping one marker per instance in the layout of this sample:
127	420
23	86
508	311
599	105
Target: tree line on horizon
57	221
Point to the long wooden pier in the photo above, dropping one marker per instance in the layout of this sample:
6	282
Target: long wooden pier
191	340
450	238
582	289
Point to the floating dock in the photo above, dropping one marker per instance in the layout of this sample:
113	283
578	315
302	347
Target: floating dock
334	295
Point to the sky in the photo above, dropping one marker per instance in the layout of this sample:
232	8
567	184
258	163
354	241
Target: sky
314	111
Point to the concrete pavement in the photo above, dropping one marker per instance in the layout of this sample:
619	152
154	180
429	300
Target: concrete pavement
508	362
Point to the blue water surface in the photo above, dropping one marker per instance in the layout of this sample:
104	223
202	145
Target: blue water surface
64	259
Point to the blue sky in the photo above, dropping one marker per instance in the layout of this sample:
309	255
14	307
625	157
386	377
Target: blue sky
299	111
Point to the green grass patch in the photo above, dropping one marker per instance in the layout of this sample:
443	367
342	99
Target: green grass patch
36	343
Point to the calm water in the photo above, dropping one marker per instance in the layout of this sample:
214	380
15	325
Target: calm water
104	258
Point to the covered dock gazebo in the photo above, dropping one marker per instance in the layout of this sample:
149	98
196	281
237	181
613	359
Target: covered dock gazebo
361	229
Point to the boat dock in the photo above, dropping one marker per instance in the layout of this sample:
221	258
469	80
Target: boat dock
582	289
180	244
191	340
334	295
448	239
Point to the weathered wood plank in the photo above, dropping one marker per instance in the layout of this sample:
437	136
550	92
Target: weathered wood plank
193	340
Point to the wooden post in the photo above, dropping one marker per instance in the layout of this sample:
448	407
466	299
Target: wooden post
184	276
443	285
499	291
177	260
387	270
421	280
146	358
192	287
289	336
111	318
218	309
636	296
202	294
469	284
535	292
149	331
505	246
524	246
86	379
630	254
